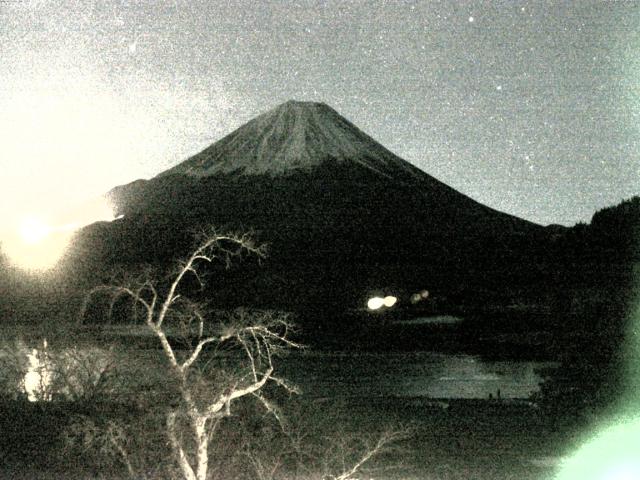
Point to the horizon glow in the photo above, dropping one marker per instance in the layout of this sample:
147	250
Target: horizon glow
38	242
67	138
33	230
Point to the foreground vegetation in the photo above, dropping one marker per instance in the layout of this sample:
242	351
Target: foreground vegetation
195	422
224	413
469	440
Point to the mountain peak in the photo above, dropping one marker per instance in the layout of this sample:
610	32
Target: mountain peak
304	110
301	105
295	135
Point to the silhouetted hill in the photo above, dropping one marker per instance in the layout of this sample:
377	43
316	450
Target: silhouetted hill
597	266
616	230
604	251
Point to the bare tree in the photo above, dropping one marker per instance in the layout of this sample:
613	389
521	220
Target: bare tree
14	365
169	314
108	442
350	456
322	444
338	457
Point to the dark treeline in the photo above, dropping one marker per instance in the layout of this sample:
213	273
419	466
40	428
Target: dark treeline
596	278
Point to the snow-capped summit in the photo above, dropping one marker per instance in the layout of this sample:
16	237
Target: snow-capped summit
293	136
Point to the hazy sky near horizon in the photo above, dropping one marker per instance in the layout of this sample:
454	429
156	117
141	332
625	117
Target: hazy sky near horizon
532	108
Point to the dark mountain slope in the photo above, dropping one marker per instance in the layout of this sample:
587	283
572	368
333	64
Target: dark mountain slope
343	216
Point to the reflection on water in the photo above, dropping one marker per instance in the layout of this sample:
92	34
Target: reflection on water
432	320
73	373
44	373
424	374
38	379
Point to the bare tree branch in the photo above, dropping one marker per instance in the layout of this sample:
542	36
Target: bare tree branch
386	438
196	353
235	393
259	334
183	461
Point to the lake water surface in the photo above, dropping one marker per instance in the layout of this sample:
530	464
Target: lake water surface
422	374
321	374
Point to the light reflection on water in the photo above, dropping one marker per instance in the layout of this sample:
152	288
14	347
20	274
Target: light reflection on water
41	373
424	374
333	375
37	380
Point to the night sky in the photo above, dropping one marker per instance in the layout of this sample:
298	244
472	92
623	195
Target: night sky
532	108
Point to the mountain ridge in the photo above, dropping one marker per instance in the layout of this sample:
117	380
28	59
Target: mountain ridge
293	136
298	137
342	215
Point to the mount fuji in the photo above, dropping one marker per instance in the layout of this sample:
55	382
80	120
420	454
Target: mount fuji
342	215
292	137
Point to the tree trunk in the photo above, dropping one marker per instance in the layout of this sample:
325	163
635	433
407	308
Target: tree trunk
183	462
200	426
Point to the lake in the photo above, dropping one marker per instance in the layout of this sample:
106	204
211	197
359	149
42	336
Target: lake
422	374
321	374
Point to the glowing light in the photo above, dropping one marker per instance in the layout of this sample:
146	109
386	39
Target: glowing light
37	245
39	255
627	471
419	296
375	303
389	301
96	210
38	377
614	454
66	137
33	230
